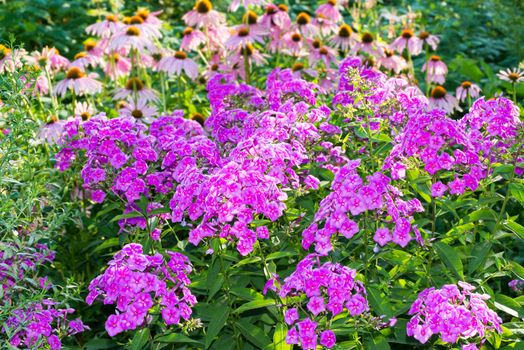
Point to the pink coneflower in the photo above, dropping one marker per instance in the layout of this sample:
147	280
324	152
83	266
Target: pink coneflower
49	58
440	99
213	67
299	69
109	26
325	25
10	59
323	54
51	131
178	63
330	10
192	39
84	60
217	37
38	85
344	38
84	110
139	110
293	44
149	17
428	39
466	89
150	31
203	15
276	16
392	62
117	66
235	4
407	40
131	38
436	70
515	75
243	36
305	26
369	45
77	80
253	56
135	86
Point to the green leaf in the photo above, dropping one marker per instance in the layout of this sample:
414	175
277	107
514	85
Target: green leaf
131	215
515	228
450	258
96	344
278	255
108	243
378	303
254	334
218	321
140	339
246	261
517	269
377	343
517	191
176	338
255	304
479	254
279	338
508	305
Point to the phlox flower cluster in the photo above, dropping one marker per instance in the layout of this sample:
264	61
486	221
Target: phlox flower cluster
329	290
493	127
454	313
350	196
516	285
138	283
40	325
440	144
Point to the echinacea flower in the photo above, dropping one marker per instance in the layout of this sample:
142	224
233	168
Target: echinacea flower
78	81
391	61
150	31
330	10
436	70
117	66
83	60
325	25
203	15
513	75
192	39
84	110
440	99
139	110
149	17
293	44
428	39
298	69
131	38
407	41
51	131
243	36
466	89
109	26
49	58
344	38
276	17
10	59
369	45
178	63
323	54
135	86
304	25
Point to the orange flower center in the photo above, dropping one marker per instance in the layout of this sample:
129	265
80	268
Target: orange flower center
513	76
296	37
316	43
344	31
203	6
250	17
243	32
438	92
466	85
283	8
136	20
143	13
80	55
323	51
133	31
180	55
198	117
297	66
248	49
134	84
111	18
136	113
271	9
367	38
435	58
303	18
423	35
74	73
89	44
332	2
85	115
188	31
407	33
